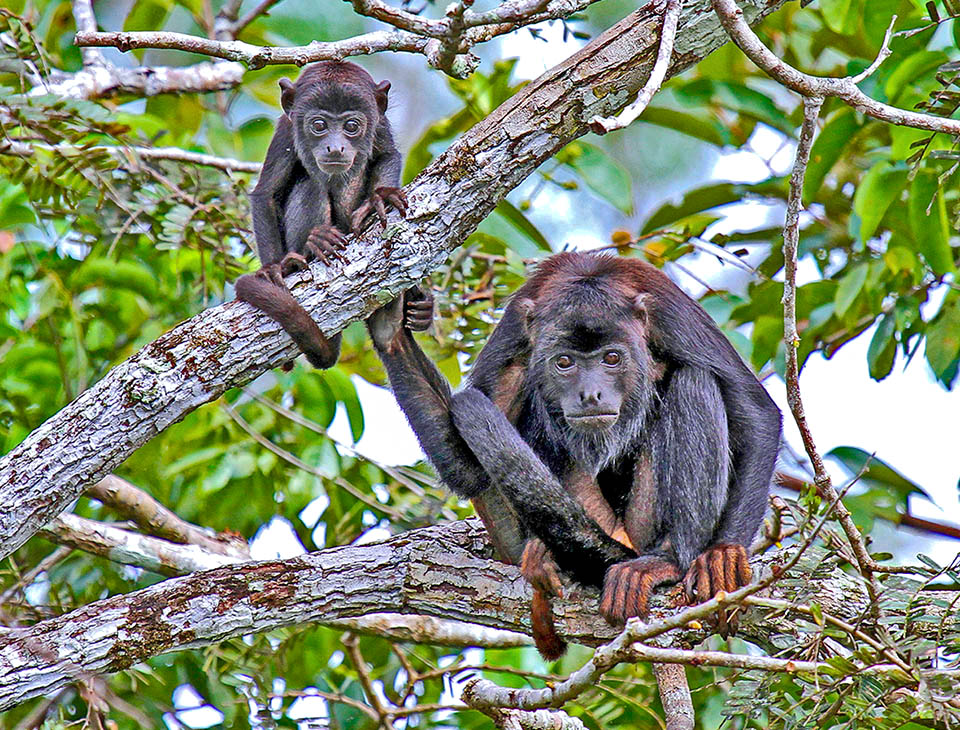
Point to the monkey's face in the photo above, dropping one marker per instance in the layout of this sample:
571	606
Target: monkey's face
334	127
335	139
589	387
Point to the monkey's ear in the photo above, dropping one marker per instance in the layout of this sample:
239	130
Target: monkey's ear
380	92
287	95
641	308
525	308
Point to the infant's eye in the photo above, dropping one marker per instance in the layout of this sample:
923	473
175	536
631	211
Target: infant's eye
611	358
352	127
318	126
564	362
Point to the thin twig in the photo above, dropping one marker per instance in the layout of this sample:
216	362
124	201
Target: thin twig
671	16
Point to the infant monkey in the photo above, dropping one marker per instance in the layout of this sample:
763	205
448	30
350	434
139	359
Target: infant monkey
332	165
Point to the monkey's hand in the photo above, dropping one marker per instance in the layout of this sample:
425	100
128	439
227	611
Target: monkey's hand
325	241
540	570
721	567
377	204
627	586
417	309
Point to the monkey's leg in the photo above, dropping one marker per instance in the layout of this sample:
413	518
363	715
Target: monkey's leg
577	543
326	241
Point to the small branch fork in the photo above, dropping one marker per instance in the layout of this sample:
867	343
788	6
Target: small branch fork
671	17
445	42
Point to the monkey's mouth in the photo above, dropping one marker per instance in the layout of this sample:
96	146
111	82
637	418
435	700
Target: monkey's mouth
591	421
332	167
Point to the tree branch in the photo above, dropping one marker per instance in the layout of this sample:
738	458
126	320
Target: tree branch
845	89
439	571
229	345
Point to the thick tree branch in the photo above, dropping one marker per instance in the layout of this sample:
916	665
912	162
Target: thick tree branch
439	571
228	346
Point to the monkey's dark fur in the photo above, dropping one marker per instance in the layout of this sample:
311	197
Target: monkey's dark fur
608	417
331	165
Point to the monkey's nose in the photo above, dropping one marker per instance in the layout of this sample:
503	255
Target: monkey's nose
590	397
338	150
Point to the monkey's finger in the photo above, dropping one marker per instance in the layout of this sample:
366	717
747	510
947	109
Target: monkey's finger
638	601
730	570
398	199
609	595
703	583
381	211
744	573
717	573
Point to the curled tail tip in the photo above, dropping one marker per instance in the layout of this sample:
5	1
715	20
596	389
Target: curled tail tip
545	636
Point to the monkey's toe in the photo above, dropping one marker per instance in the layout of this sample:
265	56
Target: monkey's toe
627	586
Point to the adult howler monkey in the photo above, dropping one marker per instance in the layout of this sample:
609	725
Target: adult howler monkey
608	425
331	165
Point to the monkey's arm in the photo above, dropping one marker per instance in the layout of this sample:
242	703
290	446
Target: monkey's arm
577	543
275	177
424	396
687	334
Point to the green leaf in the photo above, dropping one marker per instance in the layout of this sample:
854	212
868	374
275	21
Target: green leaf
911	68
875	193
685	123
943	338
877	473
849	288
121	274
711	196
604	175
828	148
841	15
932	232
883	348
345	392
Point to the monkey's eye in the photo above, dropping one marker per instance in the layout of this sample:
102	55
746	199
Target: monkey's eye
352	127
611	358
318	126
564	362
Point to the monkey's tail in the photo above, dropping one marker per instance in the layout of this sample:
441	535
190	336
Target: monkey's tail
279	304
545	636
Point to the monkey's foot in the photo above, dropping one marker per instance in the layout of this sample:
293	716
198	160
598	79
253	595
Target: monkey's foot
377	204
325	241
418	309
627	586
271	273
293	262
721	567
540	570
